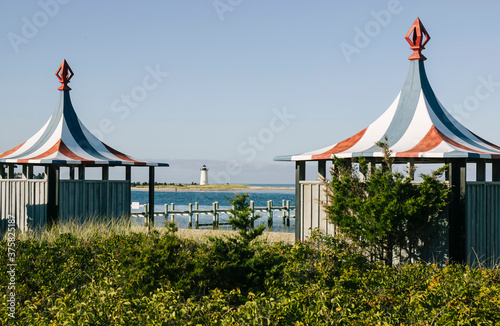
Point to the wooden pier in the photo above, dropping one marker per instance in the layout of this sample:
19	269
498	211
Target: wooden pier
195	211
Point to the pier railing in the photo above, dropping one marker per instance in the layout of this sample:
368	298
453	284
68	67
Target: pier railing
194	211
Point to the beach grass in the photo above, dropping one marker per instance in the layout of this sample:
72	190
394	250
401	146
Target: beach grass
92	227
97	227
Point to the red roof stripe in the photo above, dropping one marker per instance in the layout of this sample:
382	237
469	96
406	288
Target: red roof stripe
340	147
454	143
119	154
11	151
50	151
63	149
430	141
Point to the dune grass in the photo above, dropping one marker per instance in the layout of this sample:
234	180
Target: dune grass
97	227
91	228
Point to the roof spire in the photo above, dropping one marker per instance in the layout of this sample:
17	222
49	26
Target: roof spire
418	37
64	74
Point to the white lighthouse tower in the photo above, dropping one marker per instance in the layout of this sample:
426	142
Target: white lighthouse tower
204	176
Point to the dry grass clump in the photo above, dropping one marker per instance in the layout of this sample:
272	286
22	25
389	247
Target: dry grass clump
95	227
90	228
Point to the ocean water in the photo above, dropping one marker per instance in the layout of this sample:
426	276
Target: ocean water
182	199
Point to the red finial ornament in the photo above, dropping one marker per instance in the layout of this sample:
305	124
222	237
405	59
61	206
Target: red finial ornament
64	74
418	37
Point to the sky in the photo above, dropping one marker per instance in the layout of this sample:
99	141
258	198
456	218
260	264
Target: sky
233	83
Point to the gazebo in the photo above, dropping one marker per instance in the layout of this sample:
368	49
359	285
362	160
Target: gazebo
65	142
419	130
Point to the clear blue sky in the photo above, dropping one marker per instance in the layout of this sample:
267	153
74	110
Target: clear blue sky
224	68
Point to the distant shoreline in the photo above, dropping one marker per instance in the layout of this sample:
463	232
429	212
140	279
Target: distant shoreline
176	188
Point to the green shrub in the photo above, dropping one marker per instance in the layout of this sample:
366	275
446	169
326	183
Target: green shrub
235	262
159	279
387	211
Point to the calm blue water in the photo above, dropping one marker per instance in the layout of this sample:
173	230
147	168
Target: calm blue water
205	199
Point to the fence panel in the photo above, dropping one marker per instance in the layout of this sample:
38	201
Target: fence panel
26	200
483	222
312	213
81	199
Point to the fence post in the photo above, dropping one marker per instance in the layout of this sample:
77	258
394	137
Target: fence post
172	205
269	213
217	213
166	214
284	210
196	216
214	212
190	224
457	218
288	213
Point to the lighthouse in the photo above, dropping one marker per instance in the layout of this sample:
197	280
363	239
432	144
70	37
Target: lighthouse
204	176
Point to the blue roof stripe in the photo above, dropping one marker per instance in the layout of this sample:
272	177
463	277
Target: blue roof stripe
283	158
438	110
76	129
407	106
49	131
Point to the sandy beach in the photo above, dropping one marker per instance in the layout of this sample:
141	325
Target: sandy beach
203	235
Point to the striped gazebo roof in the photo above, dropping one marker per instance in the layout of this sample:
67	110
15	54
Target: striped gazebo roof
416	124
65	140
